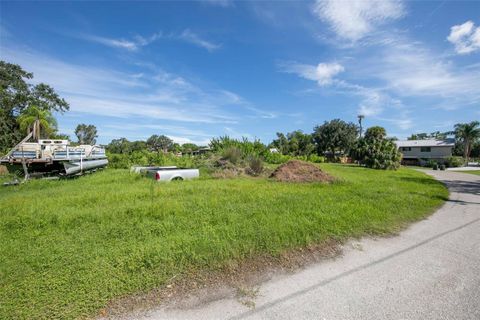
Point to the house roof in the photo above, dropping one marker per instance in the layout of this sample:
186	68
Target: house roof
425	143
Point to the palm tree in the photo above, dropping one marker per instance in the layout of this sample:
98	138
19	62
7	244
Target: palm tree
468	133
38	120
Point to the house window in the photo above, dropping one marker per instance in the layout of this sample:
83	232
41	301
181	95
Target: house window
406	149
425	149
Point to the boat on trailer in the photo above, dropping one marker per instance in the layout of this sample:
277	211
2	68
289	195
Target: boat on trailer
53	157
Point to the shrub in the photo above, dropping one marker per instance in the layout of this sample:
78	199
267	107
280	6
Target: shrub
255	166
232	154
316	158
454	162
432	163
221	144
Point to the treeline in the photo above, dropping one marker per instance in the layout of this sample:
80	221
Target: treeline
155	143
332	141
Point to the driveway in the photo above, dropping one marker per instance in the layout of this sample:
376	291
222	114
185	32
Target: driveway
429	271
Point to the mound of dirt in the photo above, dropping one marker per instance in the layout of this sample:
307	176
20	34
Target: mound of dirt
300	171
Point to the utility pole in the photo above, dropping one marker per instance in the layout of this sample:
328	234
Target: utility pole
360	118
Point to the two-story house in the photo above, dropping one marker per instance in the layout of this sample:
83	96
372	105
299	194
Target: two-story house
416	151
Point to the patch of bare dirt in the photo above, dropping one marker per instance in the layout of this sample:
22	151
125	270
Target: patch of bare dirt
300	171
238	279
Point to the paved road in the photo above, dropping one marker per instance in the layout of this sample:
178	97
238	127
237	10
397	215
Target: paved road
430	271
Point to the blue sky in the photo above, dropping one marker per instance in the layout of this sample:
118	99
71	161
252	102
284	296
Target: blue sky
195	70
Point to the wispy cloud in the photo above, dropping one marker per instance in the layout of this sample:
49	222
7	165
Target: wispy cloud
355	19
219	3
146	96
114	94
465	37
114	43
195	39
137	41
413	70
323	73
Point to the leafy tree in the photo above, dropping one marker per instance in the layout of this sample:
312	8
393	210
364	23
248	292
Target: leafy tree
16	95
377	152
86	134
138	145
121	145
375	132
467	134
160	143
47	122
189	147
335	135
295	143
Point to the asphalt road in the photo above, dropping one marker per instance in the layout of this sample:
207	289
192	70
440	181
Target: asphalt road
429	271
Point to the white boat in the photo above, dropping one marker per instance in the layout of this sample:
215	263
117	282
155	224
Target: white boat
47	157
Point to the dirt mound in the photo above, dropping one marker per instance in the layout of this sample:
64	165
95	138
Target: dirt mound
300	171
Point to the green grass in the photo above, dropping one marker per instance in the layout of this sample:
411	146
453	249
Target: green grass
68	247
477	172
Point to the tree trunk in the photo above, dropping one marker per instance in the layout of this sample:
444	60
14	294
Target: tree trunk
466	150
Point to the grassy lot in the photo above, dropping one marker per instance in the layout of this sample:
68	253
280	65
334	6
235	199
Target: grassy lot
68	247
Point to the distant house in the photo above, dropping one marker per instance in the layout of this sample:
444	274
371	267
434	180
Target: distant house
418	151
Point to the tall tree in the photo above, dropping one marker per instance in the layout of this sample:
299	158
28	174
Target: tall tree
86	134
375	151
121	145
47	122
375	132
159	143
335	135
468	134
16	95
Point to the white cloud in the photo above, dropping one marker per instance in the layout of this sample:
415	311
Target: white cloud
114	43
412	70
465	37
323	73
193	38
138	41
110	93
355	19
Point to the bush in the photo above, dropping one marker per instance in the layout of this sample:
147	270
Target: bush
232	154
315	158
453	162
275	157
247	148
255	166
148	158
431	163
